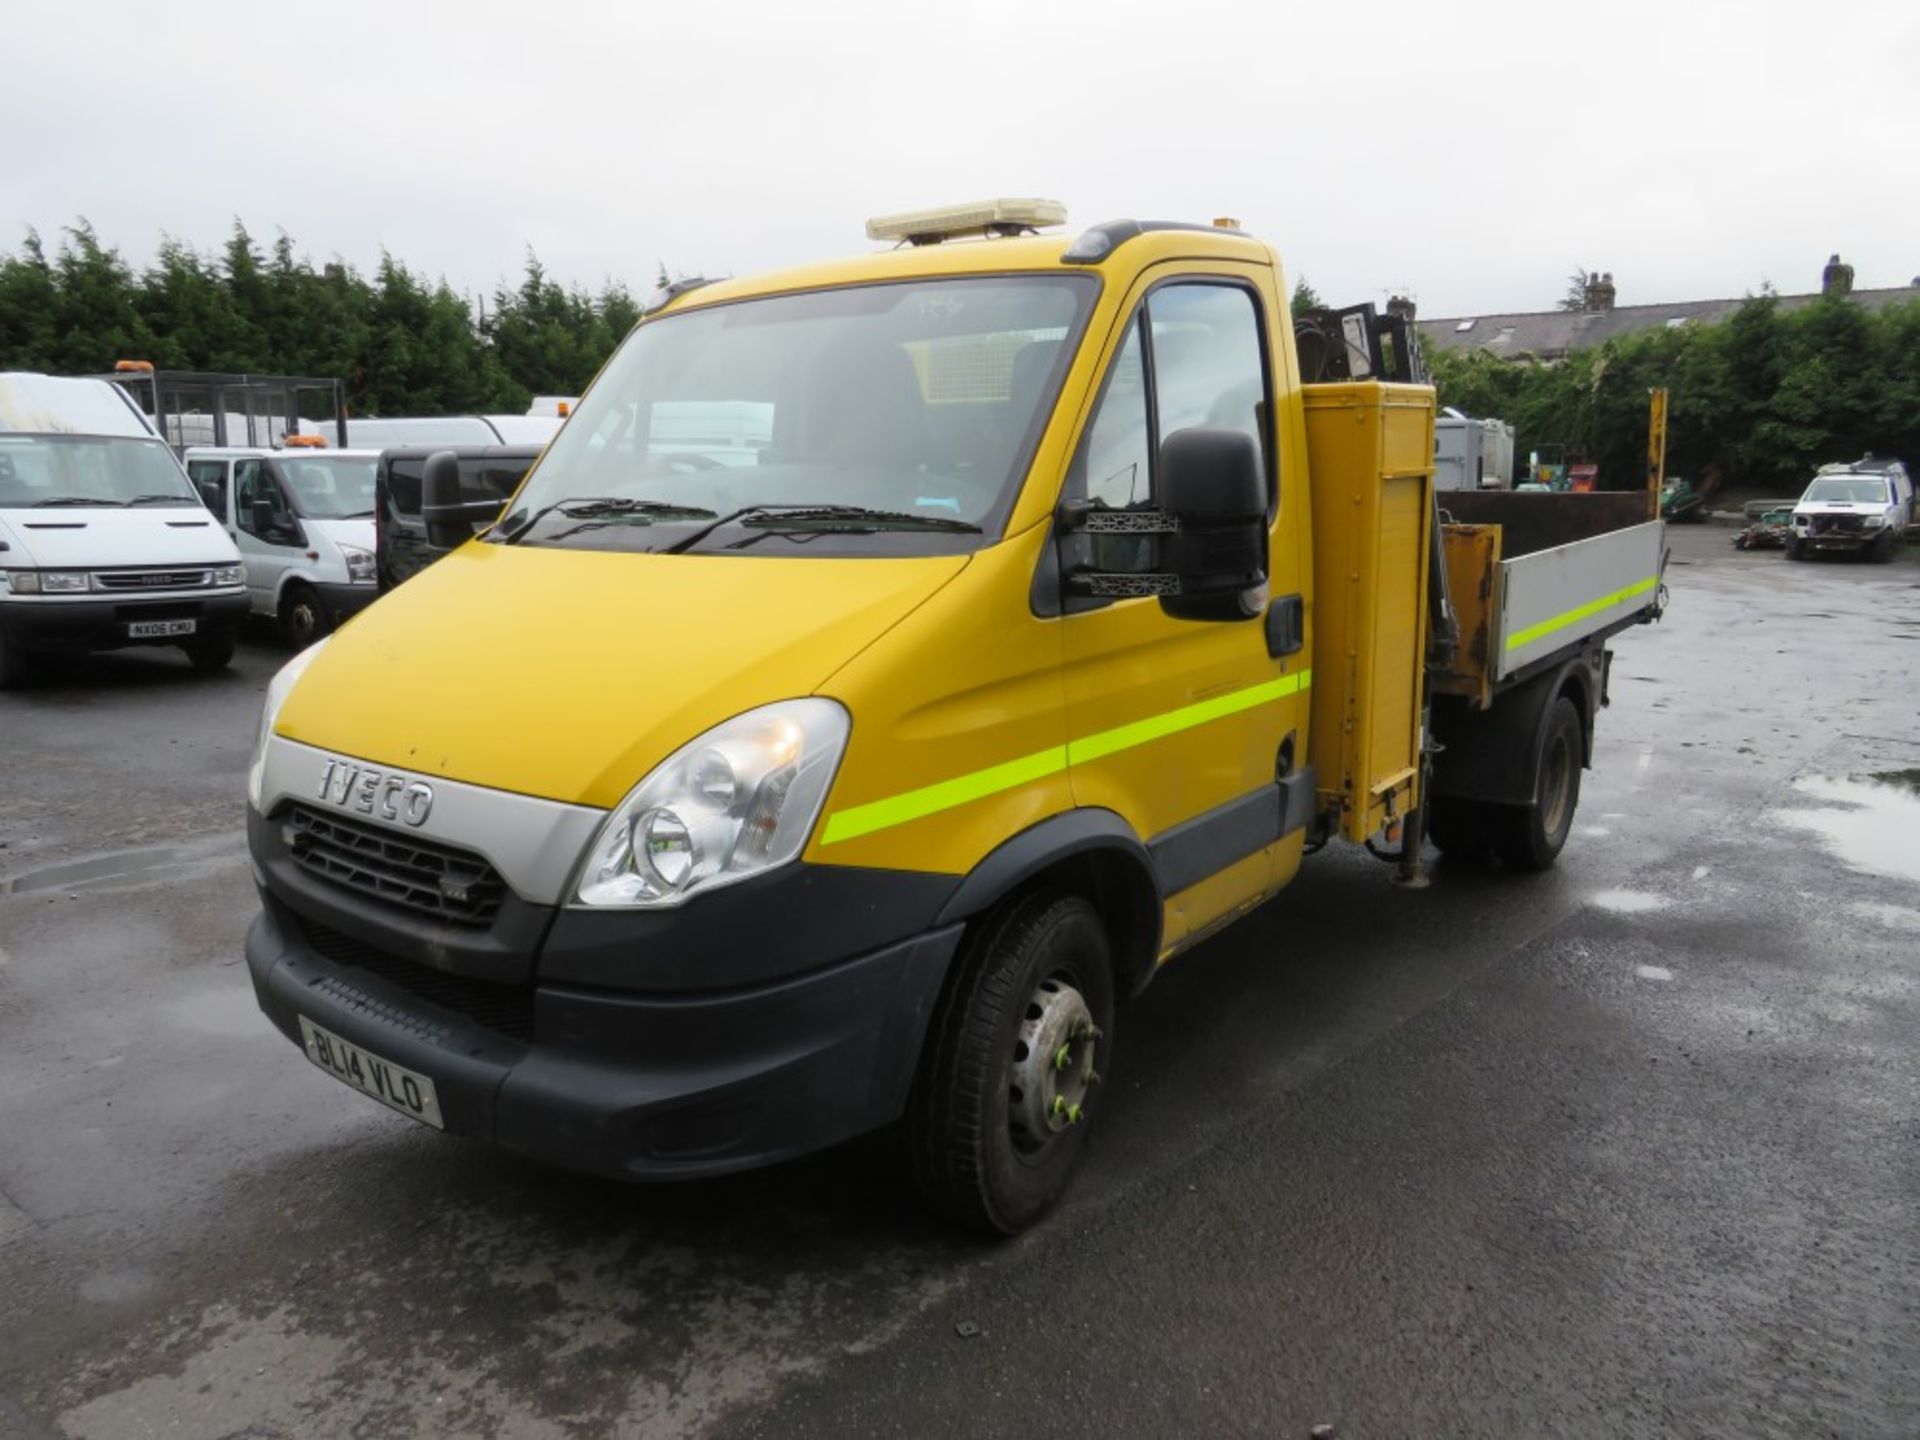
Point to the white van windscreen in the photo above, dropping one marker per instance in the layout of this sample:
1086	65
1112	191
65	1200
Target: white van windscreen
73	470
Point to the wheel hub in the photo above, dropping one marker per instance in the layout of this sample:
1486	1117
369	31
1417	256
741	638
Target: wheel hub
1052	1062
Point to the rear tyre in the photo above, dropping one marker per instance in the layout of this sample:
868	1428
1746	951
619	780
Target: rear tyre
211	652
998	1118
302	616
1530	837
1460	829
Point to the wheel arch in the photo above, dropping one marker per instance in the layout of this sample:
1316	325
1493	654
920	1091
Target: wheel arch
1090	852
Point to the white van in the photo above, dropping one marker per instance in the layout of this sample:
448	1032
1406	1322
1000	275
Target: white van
1862	507
103	543
384	432
303	519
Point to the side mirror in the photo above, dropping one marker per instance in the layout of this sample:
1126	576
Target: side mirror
443	506
273	527
1213	485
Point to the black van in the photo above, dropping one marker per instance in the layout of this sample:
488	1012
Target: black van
487	473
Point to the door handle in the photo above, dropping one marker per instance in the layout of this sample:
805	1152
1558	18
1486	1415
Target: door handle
1286	626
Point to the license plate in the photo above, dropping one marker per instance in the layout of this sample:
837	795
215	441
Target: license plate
394	1086
143	629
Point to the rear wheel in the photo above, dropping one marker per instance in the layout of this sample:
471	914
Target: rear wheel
302	616
1530	837
999	1114
210	652
1460	829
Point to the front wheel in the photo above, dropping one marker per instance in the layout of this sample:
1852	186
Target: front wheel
1796	550
302	615
999	1114
210	652
1883	547
1530	837
15	665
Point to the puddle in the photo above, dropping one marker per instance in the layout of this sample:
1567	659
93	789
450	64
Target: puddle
1893	917
124	867
231	1014
1627	902
1871	822
129	864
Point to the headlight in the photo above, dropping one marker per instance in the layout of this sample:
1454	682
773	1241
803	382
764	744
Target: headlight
278	689
1872	522
23	582
64	582
230	575
359	564
739	800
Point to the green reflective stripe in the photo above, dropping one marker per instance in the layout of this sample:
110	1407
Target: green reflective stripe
931	799
861	820
1154	727
1574	617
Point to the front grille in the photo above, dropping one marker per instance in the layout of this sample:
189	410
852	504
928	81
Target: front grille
152	579
1836	525
454	886
504	1009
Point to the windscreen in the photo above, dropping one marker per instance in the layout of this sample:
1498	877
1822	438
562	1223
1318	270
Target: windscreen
331	487
917	401
1856	489
89	470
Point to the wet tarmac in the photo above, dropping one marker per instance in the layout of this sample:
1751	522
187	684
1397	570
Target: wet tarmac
1626	1149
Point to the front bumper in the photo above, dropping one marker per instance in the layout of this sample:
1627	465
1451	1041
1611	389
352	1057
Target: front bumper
345	601
103	624
623	1084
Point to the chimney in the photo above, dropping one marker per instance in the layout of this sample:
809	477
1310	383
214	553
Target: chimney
1837	279
1401	305
1599	291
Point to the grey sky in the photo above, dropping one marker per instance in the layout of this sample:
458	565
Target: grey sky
1474	152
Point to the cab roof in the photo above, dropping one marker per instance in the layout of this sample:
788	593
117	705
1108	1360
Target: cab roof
302	452
1131	246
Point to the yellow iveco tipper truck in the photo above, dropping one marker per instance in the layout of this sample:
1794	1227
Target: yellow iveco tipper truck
886	669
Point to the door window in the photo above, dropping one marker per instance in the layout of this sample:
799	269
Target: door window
1208	362
252	482
1192	357
210	479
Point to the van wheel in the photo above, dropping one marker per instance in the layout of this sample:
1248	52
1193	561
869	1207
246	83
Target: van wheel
1460	829
1883	547
15	665
211	652
1530	837
999	1114
303	618
1796	550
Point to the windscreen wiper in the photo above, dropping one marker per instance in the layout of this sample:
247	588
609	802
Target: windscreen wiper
608	507
156	498
68	500
849	519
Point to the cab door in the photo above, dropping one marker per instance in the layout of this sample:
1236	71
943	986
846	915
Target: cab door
268	550
1187	727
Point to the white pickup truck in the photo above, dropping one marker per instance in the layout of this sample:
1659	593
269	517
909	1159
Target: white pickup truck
103	542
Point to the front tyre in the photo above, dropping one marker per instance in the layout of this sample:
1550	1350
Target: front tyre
15	664
302	615
999	1113
210	652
